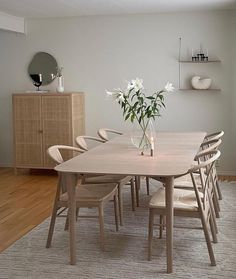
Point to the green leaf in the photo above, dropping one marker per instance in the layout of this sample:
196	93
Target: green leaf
132	118
133	97
140	99
135	104
127	116
140	119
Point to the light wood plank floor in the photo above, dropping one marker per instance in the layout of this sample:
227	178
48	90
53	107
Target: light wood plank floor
25	201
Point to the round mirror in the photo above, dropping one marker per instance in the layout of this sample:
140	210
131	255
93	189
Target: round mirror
42	69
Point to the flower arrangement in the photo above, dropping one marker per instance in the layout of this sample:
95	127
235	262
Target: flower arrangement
59	71
137	106
60	80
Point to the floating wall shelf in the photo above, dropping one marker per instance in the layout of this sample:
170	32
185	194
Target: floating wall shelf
190	61
192	89
196	62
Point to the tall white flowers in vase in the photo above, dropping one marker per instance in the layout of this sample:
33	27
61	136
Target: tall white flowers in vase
141	109
60	80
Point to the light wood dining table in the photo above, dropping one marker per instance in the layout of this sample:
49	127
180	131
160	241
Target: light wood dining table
173	155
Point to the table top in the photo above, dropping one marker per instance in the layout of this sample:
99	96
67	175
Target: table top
173	155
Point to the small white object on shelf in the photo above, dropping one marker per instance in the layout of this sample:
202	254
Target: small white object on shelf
200	83
60	80
60	85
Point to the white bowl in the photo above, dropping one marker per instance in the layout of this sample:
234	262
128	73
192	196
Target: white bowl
200	83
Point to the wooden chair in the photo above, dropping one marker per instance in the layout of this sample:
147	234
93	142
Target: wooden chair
213	143
215	136
119	179
194	204
103	133
186	181
81	141
95	195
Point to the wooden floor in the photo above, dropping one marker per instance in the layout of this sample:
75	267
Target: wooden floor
25	201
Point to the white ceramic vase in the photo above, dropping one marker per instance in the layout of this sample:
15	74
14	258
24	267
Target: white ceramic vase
60	84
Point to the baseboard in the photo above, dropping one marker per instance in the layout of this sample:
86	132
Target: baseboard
227	173
6	166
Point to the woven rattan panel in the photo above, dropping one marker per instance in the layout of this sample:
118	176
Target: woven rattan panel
27	128
43	120
56	119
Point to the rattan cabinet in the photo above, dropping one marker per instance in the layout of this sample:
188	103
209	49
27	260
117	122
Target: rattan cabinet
41	120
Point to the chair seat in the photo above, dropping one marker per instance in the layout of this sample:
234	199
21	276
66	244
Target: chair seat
108	178
183	200
93	192
186	181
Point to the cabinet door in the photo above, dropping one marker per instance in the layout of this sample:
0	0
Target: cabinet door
56	122
27	131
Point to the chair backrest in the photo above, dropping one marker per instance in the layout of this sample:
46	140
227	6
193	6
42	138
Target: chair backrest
103	133
81	141
212	144
206	147
216	135
205	166
55	154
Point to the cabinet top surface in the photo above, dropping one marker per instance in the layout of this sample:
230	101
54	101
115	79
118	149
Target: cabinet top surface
46	94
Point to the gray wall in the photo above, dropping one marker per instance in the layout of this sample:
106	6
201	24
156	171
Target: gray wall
100	53
233	76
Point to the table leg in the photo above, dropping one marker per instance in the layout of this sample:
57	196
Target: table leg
169	185
71	181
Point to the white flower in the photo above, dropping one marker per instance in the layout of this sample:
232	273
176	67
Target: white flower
109	93
138	84
120	97
130	86
169	87
112	94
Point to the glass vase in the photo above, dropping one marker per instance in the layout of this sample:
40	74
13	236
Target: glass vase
60	84
143	136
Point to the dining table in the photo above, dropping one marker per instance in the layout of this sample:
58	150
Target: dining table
173	155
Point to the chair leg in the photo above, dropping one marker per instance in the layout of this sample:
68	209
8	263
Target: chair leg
101	224
67	223
163	222
213	232
218	190
51	227
120	199
208	240
150	232
216	204
77	213
161	226
148	185
213	215
116	210
137	187
54	216
132	187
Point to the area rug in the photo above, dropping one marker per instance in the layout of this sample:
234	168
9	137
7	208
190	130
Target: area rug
125	253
